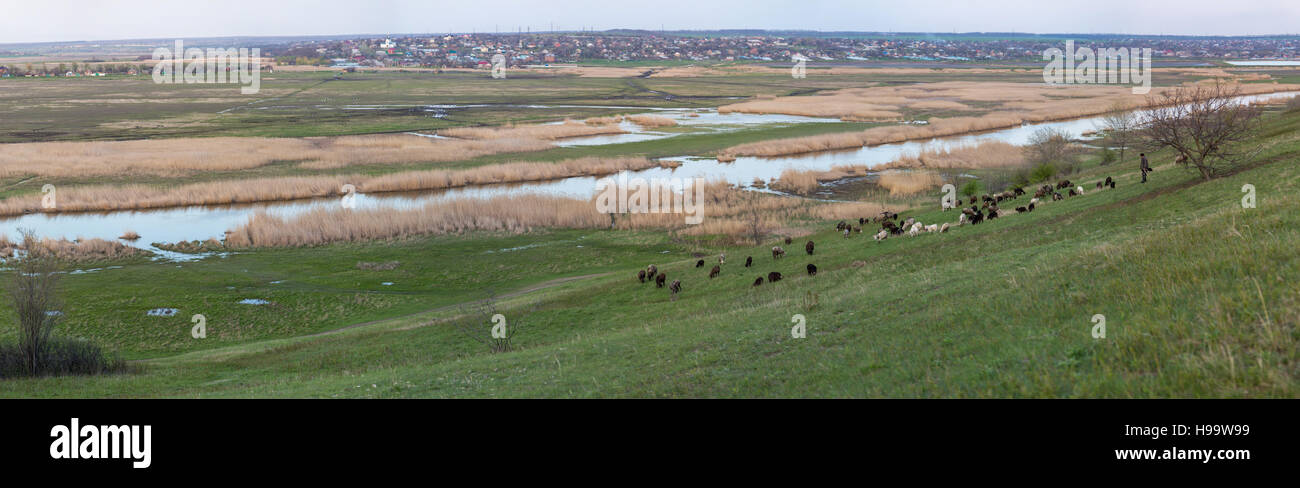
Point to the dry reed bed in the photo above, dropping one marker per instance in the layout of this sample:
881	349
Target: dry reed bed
80	249
182	157
727	211
545	132
129	197
515	214
1016	104
651	121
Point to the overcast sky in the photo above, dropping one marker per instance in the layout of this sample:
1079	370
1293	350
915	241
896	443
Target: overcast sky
65	20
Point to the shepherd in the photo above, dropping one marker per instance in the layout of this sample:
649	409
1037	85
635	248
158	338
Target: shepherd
1145	167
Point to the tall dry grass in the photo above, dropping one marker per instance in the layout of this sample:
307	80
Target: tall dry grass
903	183
545	132
114	197
183	157
988	154
81	249
651	121
806	181
515	214
727	211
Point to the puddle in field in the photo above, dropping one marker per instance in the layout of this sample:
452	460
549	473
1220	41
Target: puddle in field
203	222
253	301
162	312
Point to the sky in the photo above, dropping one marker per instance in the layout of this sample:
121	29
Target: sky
69	20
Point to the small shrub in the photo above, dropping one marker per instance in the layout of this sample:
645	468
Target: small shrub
60	356
1108	156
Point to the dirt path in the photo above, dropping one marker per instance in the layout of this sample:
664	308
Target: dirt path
523	291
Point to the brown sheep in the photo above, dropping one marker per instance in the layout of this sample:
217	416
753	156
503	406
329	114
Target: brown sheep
777	252
758	281
650	272
640	275
699	264
788	241
675	287
717	270
659	280
808	248
812	269
773	277
749	260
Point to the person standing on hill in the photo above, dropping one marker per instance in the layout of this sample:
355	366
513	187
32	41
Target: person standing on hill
1145	167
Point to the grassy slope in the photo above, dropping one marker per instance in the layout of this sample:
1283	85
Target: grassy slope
1199	296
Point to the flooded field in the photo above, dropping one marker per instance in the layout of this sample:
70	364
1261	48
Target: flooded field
204	222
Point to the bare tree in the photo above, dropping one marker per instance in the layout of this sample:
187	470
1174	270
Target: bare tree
1121	129
485	325
755	223
34	292
1048	145
1204	125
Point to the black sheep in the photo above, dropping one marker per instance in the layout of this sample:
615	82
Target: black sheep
758	281
993	213
808	248
812	269
788	241
659	280
749	260
640	275
1022	209
699	264
1031	207
773	277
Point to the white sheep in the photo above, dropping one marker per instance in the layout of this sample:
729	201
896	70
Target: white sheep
882	235
961	220
1033	201
1079	189
916	229
948	205
932	228
945	227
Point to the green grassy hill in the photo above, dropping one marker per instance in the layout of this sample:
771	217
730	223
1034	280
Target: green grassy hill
1199	296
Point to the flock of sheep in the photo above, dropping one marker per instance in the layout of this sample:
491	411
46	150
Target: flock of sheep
981	209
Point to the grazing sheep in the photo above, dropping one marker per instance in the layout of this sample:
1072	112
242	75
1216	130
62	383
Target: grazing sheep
749	260
846	233
777	252
857	229
675	287
699	264
1031	206
808	248
717	270
758	281
841	225
915	230
1072	193
977	216
1099	185
908	223
1079	189
722	258
1040	194
961	219
1112	185
862	221
882	235
944	228
1021	209
640	275
946	205
812	269
773	277
659	280
1109	182
1056	197
1019	191
788	241
650	271
1033	201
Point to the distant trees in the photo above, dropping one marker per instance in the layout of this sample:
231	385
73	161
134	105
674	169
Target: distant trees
1050	150
1204	125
